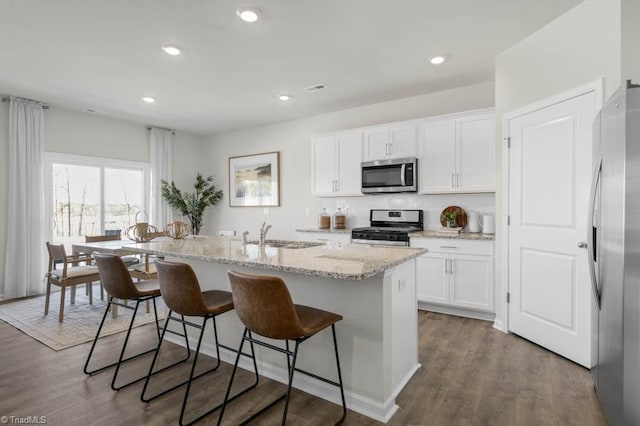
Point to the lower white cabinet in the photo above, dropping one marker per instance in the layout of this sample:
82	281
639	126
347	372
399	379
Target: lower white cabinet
324	237
456	273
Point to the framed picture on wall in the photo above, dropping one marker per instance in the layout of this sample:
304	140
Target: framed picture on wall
254	180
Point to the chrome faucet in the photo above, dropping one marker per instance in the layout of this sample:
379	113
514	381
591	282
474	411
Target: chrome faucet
263	232
245	234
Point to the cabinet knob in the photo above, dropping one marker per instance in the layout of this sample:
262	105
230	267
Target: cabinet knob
582	244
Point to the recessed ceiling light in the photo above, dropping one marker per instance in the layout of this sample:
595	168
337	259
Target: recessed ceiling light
171	50
148	99
436	60
284	98
248	15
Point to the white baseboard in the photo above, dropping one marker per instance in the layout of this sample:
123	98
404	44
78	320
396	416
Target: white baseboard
499	325
380	411
460	312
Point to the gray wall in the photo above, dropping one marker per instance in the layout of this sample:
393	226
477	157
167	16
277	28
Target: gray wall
297	208
577	48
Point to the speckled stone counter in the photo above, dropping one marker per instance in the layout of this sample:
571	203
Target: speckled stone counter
433	233
372	287
340	261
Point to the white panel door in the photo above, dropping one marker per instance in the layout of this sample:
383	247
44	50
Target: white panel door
432	278
549	181
472	282
349	159
324	166
475	154
436	160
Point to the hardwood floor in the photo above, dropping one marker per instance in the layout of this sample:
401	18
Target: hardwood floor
471	375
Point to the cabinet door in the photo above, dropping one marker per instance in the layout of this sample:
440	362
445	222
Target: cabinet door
376	144
402	141
349	176
436	159
472	282
475	154
324	166
432	281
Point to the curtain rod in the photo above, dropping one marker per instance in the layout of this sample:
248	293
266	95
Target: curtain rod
173	132
7	99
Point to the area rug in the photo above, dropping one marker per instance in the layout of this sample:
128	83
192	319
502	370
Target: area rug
81	320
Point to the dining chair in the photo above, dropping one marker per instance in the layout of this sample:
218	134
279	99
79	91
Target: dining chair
71	274
129	260
264	305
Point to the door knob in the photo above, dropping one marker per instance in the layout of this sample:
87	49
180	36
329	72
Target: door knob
582	244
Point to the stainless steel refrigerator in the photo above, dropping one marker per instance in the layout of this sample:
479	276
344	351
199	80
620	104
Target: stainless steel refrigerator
614	256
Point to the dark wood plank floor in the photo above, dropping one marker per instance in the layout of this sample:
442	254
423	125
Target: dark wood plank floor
471	375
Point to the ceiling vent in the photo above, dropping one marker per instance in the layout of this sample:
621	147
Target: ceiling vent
315	87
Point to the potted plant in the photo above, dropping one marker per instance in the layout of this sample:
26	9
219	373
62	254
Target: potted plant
450	218
192	204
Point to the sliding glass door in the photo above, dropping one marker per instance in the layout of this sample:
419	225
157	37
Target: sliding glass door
93	196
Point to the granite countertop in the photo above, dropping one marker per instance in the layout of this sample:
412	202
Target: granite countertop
433	233
334	260
326	231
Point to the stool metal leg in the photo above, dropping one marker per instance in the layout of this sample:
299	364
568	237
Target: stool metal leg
155	358
292	370
344	404
121	358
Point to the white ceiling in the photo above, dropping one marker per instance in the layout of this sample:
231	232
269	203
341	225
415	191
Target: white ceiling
106	55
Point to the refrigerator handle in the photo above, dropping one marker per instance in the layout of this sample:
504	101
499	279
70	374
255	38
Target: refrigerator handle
591	227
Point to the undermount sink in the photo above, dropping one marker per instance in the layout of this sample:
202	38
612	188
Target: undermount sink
287	244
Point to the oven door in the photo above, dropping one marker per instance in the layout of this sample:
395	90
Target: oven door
383	176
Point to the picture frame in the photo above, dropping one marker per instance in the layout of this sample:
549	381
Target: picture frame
254	180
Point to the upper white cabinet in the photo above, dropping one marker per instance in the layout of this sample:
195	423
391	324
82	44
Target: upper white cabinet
335	165
394	141
457	155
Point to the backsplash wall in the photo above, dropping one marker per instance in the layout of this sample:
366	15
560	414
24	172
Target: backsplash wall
357	208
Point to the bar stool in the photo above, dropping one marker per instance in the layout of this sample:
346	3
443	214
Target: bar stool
115	278
264	306
182	294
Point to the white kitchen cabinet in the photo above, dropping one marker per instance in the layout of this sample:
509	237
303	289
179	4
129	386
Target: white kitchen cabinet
456	273
324	237
457	155
335	165
395	141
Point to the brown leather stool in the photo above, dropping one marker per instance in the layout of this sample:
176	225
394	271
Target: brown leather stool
264	306
182	294
115	278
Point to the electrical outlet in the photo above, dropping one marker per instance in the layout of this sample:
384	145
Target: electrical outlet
265	211
307	211
402	284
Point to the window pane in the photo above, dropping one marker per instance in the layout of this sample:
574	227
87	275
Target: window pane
123	198
76	203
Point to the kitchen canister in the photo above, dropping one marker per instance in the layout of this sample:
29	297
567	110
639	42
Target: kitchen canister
339	220
488	224
324	220
473	225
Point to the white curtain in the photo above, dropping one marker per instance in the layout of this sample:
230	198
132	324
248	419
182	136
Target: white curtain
24	269
161	147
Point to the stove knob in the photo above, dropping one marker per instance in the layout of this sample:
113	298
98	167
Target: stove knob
393	238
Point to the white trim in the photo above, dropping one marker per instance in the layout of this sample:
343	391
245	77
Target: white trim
595	87
457	311
84	160
380	411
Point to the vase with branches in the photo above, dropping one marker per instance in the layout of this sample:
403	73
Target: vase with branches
192	204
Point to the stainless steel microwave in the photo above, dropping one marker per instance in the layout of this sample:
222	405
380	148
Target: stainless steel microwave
392	175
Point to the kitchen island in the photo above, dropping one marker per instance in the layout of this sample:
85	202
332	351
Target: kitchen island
372	287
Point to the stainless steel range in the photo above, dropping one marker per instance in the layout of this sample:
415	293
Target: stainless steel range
389	227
